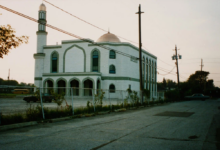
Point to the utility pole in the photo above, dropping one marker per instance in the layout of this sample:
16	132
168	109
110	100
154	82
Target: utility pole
176	57
140	52
201	64
201	75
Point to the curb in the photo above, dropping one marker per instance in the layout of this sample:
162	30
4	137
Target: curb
61	119
120	110
132	108
103	113
18	125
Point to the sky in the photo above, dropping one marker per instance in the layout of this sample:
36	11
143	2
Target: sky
192	25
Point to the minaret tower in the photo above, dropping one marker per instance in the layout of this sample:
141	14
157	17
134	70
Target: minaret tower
41	41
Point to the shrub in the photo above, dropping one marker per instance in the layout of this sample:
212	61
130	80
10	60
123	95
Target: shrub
11	119
172	95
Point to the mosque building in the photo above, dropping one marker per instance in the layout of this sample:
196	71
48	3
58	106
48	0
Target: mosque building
81	64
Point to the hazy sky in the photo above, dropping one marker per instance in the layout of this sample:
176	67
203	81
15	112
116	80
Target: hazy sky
193	25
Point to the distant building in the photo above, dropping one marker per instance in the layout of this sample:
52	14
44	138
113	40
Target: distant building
76	63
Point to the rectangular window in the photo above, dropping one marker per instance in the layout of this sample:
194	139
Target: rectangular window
54	65
95	64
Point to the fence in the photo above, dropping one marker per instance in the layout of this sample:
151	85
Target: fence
68	100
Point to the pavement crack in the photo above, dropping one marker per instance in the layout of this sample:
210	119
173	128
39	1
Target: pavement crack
123	136
109	142
170	139
60	131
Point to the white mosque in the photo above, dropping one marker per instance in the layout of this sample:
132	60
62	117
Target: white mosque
80	64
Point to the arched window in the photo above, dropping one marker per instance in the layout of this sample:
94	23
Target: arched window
112	88
95	61
112	54
54	63
112	69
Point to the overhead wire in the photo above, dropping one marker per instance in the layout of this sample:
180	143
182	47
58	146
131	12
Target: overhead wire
65	32
97	26
86	21
107	31
76	36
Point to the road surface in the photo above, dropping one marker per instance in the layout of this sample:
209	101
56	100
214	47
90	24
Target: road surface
188	125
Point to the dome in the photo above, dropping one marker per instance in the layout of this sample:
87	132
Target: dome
108	37
42	7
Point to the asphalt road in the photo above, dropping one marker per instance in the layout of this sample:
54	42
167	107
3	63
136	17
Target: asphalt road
189	125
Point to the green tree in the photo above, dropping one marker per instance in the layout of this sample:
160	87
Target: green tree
9	40
12	82
23	84
1	81
164	83
170	84
196	83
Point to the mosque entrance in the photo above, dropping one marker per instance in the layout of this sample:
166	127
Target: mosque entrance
61	87
88	85
75	85
98	87
48	86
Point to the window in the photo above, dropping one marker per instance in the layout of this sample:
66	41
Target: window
42	15
54	63
112	88
41	27
95	61
112	54
112	69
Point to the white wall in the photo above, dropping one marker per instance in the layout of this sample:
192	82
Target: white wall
74	60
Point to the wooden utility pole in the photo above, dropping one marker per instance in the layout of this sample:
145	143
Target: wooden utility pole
201	80
140	52
176	57
177	67
201	64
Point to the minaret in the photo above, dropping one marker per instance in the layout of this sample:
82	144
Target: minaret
41	41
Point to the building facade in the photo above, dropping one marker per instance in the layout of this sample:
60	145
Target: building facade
83	64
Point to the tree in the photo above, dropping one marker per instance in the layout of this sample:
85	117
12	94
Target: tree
196	83
164	83
8	40
170	84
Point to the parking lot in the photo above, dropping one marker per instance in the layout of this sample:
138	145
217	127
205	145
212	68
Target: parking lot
18	105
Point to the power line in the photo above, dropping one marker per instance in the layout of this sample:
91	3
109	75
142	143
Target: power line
65	32
76	36
96	26
200	58
86	21
169	71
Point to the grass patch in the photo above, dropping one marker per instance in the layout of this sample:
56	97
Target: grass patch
12	119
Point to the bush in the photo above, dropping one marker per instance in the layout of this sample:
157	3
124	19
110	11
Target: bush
172	95
33	113
11	119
